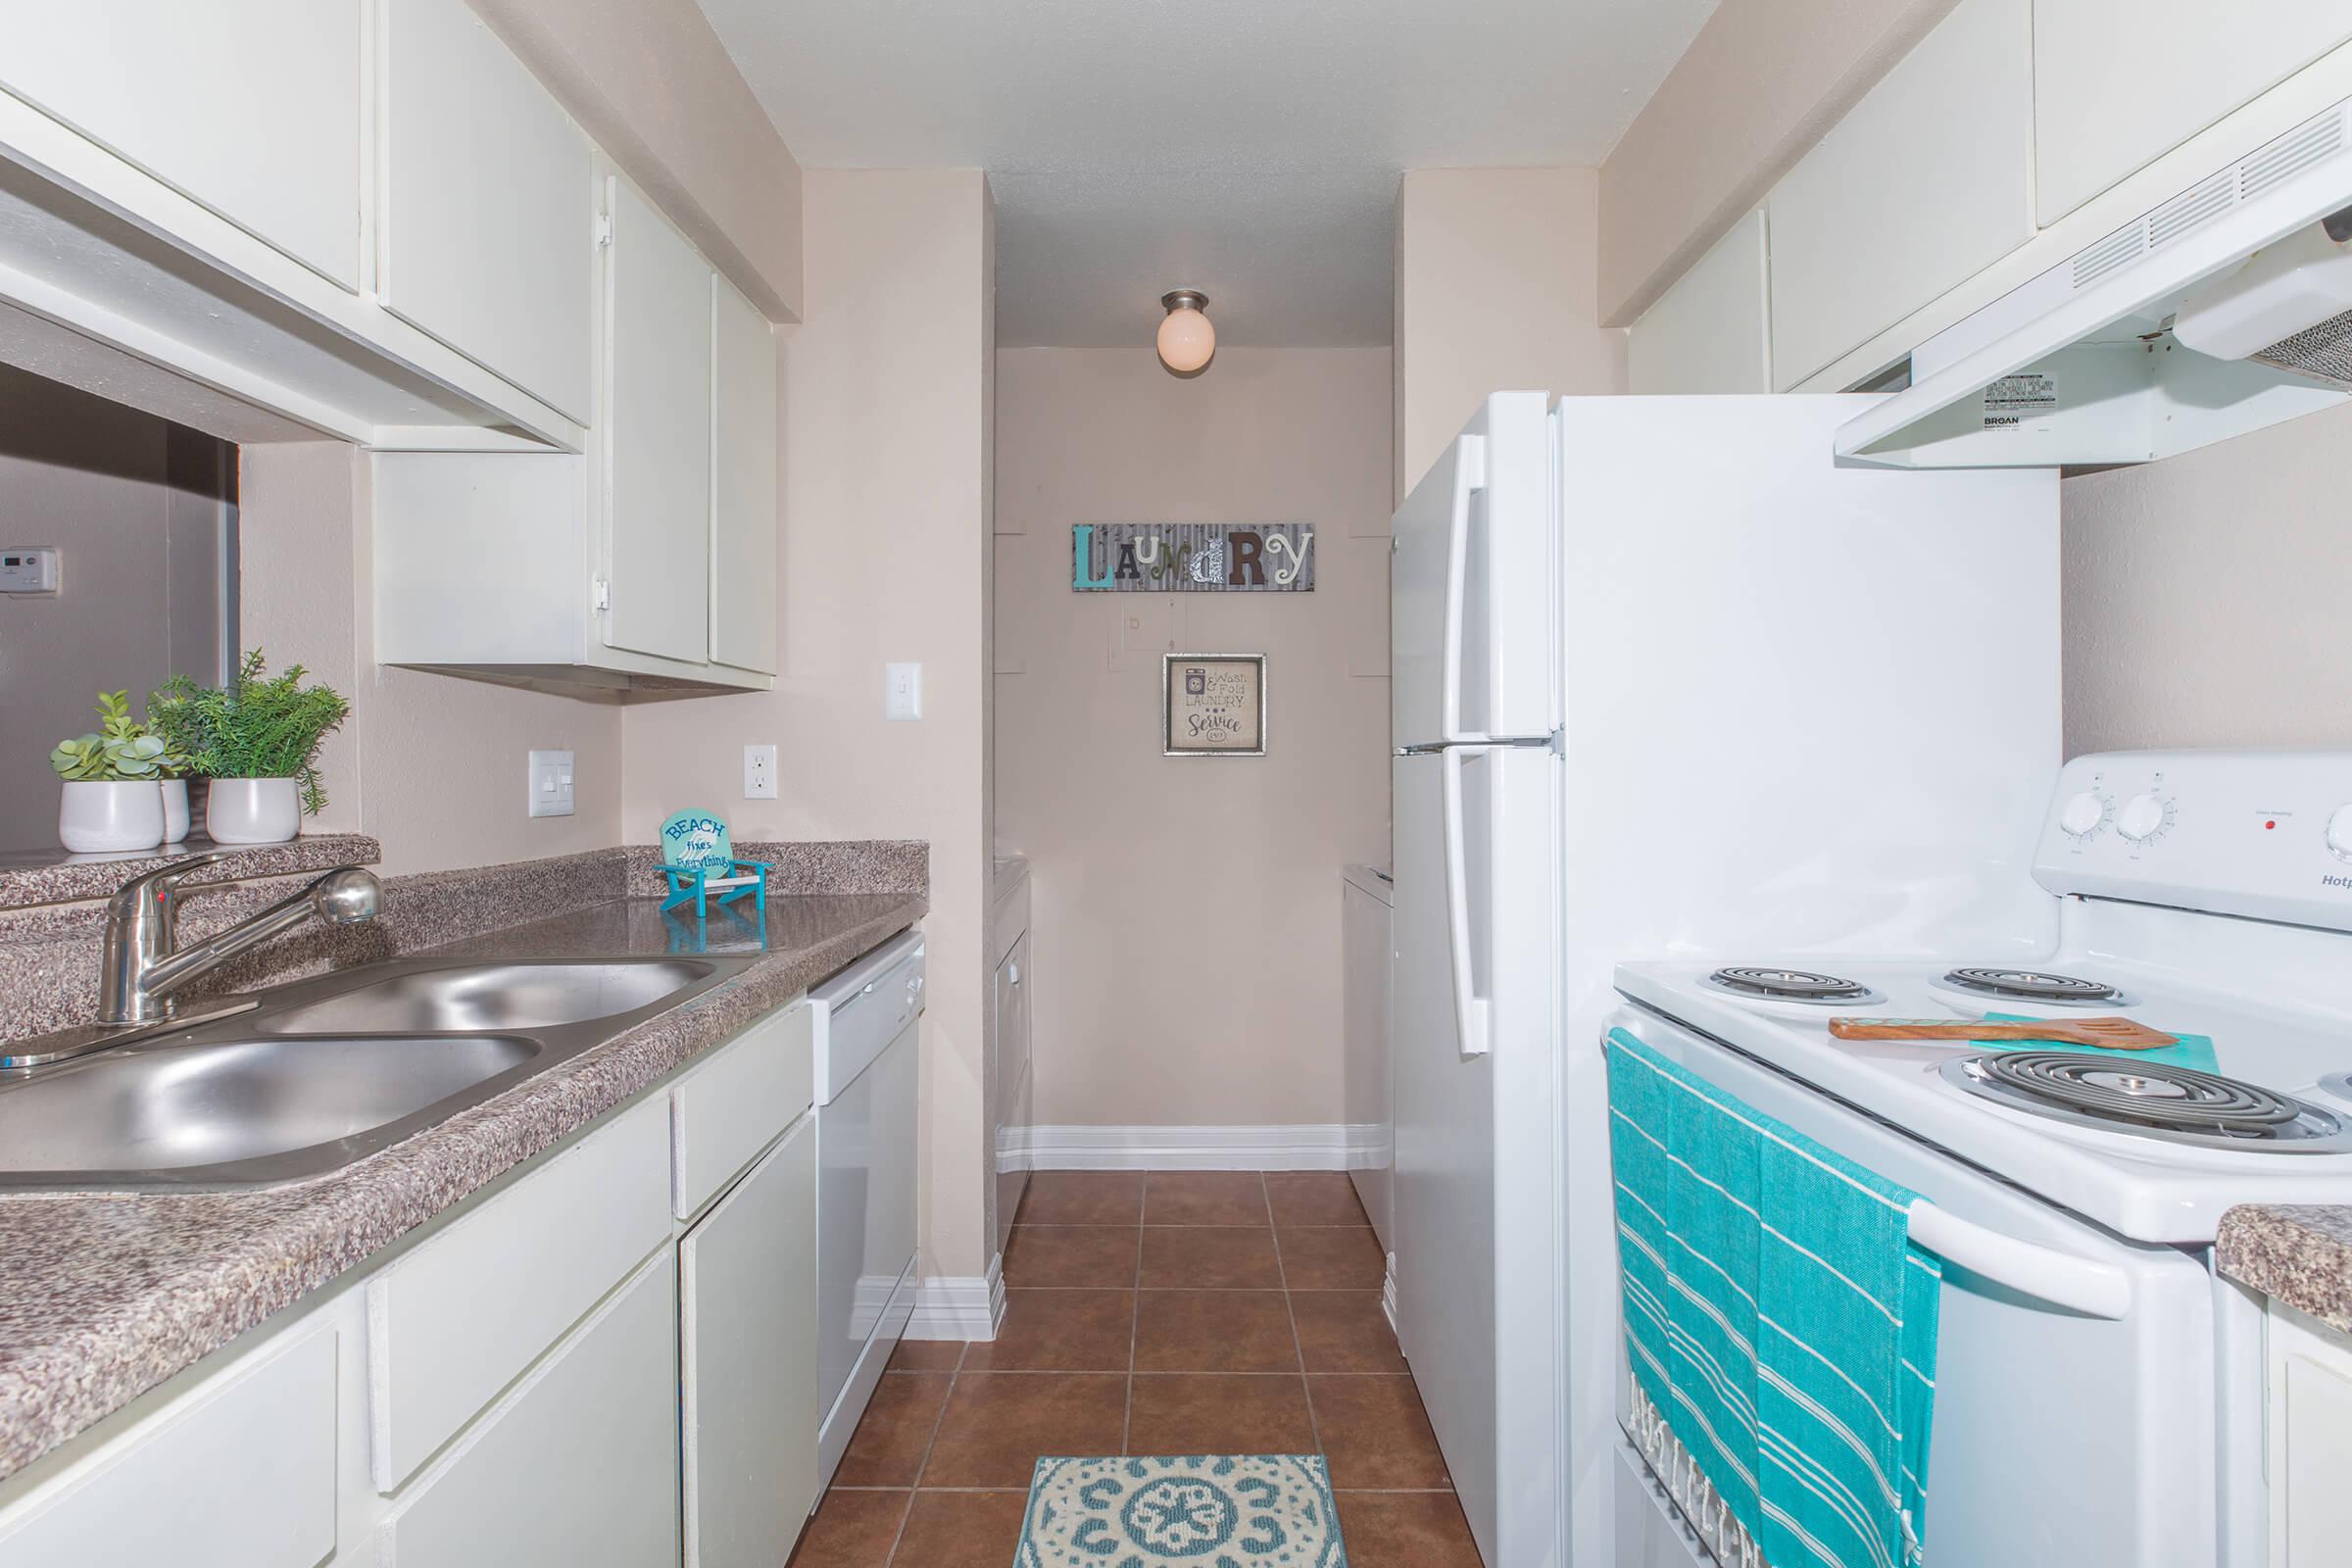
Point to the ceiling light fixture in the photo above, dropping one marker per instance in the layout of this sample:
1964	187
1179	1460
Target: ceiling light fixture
1185	338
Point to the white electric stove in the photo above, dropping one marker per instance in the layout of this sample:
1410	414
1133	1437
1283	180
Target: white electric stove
2098	1380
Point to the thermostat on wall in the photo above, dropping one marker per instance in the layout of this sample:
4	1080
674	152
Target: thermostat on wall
27	570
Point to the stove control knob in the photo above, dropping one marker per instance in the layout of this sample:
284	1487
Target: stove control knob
2144	816
2339	833
2083	814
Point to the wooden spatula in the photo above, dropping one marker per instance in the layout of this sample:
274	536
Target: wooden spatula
2116	1034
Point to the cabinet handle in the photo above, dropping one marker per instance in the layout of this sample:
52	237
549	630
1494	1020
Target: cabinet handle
1015	968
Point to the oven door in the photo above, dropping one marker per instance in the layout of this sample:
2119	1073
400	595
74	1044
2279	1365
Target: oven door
2063	1437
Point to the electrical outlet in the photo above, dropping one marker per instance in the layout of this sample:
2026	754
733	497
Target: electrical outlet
550	784
759	773
901	691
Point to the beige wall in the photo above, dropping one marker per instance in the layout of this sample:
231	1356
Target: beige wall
1495	278
2205	595
1759	85
1185	913
433	765
139	578
884	559
652	83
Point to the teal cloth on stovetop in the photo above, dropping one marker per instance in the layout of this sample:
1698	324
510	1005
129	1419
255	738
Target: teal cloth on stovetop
2193	1052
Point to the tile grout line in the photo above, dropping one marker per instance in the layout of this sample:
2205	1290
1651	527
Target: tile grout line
938	1420
1306	1389
1135	1316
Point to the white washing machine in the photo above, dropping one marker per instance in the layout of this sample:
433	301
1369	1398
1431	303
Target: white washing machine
865	1022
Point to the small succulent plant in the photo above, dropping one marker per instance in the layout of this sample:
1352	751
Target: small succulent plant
121	751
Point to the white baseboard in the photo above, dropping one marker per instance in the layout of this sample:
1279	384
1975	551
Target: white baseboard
1327	1146
959	1306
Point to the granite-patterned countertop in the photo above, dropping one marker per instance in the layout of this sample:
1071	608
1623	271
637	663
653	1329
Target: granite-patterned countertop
2299	1254
103	1295
52	876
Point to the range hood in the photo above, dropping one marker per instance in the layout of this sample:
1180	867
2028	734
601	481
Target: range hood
2222	310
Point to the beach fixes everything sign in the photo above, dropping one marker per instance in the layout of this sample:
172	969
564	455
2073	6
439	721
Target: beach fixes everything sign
1193	558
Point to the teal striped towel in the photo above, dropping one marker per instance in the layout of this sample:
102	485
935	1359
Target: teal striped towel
1777	1314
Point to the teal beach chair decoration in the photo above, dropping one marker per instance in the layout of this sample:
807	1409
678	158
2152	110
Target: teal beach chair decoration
698	857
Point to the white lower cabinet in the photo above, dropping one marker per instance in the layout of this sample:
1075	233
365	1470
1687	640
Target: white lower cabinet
610	1360
239	1473
577	1465
748	1362
2309	1399
1366	916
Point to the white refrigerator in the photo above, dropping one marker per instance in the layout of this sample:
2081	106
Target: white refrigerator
1667	682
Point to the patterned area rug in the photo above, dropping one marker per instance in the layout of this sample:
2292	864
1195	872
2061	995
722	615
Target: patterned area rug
1200	1511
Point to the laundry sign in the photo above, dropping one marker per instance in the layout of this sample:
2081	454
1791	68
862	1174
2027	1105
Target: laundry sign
1193	558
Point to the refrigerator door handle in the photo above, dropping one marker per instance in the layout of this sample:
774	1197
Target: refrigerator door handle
1469	1008
1469	478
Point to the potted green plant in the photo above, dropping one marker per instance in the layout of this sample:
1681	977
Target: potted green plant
257	739
111	796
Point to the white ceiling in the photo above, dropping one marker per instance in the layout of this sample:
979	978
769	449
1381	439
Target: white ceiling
1249	148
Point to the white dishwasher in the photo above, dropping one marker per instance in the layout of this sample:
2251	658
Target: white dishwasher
864	1022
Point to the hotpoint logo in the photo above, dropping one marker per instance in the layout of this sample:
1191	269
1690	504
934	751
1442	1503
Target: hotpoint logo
2335	881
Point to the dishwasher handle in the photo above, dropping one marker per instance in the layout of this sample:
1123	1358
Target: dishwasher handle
2062	1279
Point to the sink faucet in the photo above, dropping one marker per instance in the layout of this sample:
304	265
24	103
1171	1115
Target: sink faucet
143	963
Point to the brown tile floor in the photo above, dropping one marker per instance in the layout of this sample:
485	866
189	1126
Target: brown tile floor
1178	1312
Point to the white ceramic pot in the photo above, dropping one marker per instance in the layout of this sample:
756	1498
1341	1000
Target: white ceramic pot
116	815
252	810
176	809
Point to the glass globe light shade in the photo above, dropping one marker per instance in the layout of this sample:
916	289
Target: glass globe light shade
1186	340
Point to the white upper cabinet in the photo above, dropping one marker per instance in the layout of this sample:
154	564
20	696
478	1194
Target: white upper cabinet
488	234
1926	182
1712	331
743	479
2119	83
152	79
658	400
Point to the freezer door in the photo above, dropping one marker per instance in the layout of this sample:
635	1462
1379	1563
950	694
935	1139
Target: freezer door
1470	584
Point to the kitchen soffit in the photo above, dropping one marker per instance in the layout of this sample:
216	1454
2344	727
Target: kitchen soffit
1244	149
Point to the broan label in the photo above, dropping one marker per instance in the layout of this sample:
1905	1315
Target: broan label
2016	398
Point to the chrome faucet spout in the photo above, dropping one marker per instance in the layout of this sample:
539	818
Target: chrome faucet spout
143	963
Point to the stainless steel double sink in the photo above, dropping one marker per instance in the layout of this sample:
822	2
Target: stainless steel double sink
322	1072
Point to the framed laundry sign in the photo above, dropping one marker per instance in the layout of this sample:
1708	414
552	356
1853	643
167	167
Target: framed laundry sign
1193	558
1215	704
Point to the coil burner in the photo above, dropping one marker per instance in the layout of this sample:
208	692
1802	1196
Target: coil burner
1793	984
2152	1099
2027	985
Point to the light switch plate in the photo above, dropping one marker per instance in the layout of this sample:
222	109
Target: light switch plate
901	691
550	784
759	773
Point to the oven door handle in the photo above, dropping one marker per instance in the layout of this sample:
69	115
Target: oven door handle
2096	1289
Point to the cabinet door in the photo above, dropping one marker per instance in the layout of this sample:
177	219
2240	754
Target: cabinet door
1925	183
249	107
743	479
1711	332
2117	83
1364	1032
747	1283
489	205
237	1473
657	435
578	1464
2311	1439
